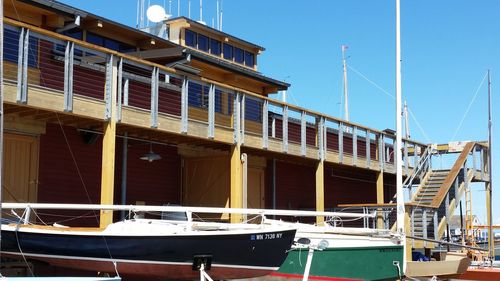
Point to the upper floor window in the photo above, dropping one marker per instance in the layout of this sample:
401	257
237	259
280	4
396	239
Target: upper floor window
249	59
228	52
11	47
215	47
239	55
203	43
191	38
108	43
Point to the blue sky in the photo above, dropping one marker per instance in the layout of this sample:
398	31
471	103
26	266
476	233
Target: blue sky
447	46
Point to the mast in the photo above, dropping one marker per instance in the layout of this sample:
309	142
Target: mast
346	98
491	240
1	113
397	148
407	125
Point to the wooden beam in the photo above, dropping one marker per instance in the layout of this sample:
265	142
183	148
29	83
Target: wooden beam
54	21
380	198
108	154
236	182
320	190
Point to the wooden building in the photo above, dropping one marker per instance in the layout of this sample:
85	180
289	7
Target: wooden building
85	98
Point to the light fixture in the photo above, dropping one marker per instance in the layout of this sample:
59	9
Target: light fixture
152	42
150	156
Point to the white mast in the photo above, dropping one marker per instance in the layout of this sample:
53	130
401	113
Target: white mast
221	9
178	8
189	8
201	11
346	97
397	148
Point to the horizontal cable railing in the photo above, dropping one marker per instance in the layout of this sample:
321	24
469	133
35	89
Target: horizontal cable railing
69	66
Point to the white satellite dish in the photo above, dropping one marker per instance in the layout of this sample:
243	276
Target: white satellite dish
156	13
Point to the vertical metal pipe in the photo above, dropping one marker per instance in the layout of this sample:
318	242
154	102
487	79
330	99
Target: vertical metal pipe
244	160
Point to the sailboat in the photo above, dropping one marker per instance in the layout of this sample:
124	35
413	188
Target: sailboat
156	248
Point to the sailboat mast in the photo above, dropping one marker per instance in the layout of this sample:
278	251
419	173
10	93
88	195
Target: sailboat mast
346	97
1	113
397	148
491	240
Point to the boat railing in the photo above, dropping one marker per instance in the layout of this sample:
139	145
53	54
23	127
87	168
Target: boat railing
76	73
190	212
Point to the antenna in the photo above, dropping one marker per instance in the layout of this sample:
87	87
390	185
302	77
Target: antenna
201	12
346	97
156	13
217	12
220	21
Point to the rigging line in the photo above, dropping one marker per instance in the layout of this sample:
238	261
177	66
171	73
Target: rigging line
81	178
469	107
419	126
19	246
371	82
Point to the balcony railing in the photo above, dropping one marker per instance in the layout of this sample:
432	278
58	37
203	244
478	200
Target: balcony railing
38	58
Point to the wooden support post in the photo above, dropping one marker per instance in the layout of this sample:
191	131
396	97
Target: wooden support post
380	198
236	181
320	190
409	243
489	220
108	150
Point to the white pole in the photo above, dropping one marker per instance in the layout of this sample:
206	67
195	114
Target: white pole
221	9
201	10
307	269
491	236
346	98
178	8
1	110
217	12
407	125
398	162
189	8
283	95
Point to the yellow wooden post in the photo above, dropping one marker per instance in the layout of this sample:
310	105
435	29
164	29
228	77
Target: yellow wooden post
380	198
489	221
108	153
320	190
236	181
409	243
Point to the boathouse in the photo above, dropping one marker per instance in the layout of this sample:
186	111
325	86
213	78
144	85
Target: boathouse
99	112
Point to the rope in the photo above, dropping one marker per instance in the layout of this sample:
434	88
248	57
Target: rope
469	107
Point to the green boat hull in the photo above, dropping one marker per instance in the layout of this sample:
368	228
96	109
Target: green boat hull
360	263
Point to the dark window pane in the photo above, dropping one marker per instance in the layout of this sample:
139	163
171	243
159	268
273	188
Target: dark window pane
215	47
228	52
95	39
74	33
194	94
33	52
218	100
190	38
253	110
239	55
249	59
111	44
202	43
11	45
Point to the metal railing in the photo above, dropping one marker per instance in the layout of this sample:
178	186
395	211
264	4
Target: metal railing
73	68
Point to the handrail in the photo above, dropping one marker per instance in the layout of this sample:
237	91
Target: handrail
450	178
425	157
204	79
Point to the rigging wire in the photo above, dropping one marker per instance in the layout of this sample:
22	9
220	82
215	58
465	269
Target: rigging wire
469	106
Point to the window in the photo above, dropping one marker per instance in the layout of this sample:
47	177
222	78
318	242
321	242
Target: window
249	59
197	95
108	43
253	110
11	47
203	43
239	55
228	52
215	47
190	38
